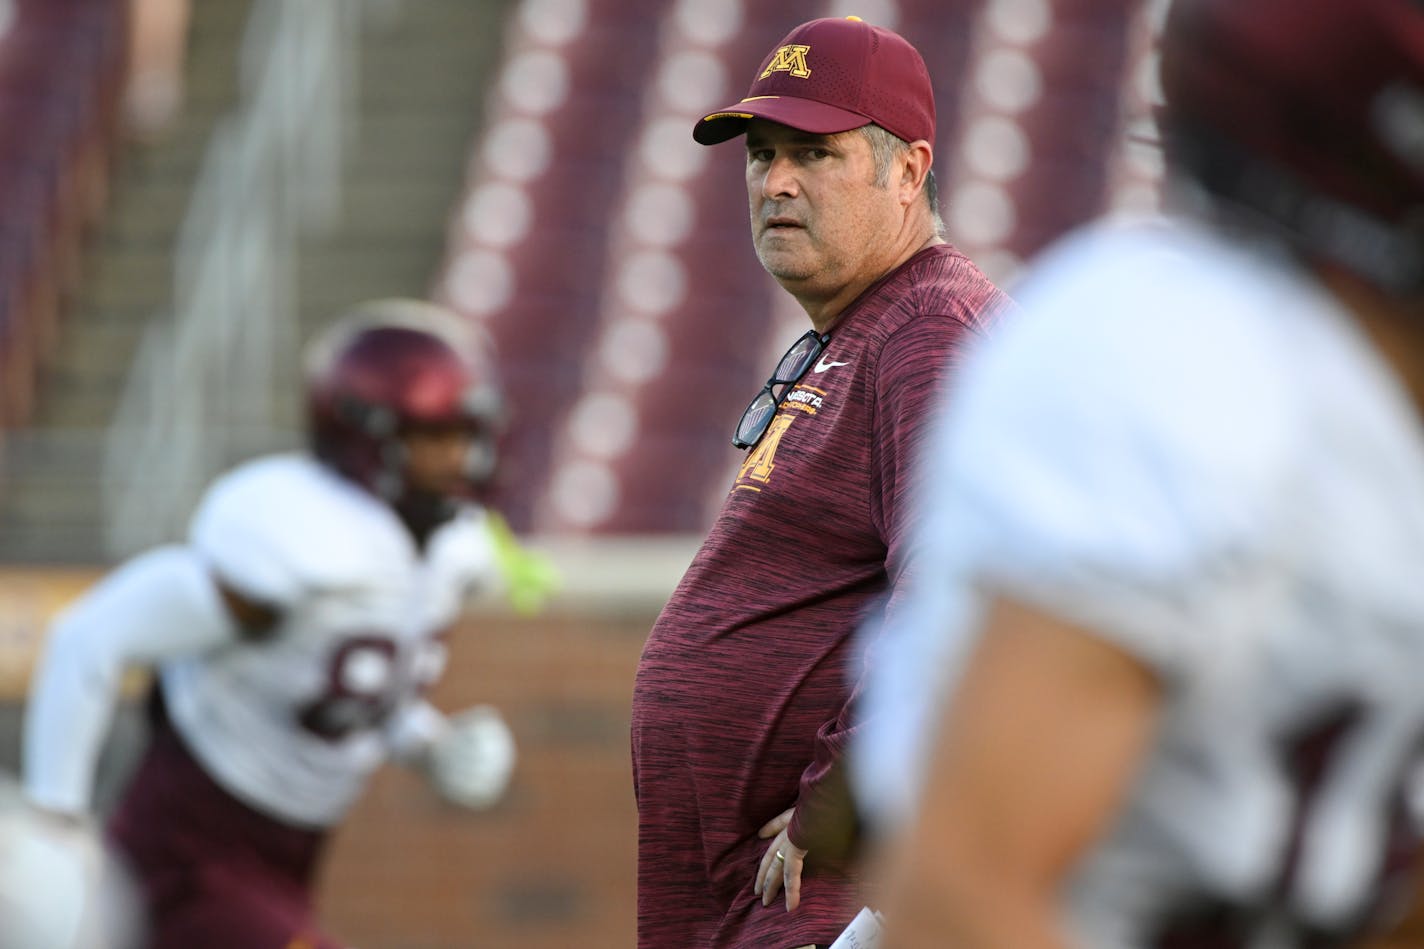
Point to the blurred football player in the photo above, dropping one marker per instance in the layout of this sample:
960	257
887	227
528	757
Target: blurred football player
1170	574
293	635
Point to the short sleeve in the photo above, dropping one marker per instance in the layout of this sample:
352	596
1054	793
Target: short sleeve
906	396
1114	455
464	551
274	529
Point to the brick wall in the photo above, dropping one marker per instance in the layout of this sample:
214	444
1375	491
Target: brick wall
552	865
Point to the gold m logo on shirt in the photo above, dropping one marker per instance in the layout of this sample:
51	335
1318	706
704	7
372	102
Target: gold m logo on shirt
790	59
762	460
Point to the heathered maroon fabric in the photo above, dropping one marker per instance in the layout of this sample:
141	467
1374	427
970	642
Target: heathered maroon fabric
743	691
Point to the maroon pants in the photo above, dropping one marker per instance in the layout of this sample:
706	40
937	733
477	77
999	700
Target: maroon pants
215	873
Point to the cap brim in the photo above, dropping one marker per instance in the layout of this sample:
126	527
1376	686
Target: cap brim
804	115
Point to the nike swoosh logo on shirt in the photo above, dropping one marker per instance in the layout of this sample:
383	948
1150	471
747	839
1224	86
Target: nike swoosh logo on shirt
822	366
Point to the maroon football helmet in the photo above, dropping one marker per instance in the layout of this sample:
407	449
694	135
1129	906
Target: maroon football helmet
391	366
1309	116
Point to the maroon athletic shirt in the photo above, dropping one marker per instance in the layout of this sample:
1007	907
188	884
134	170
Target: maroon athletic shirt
742	694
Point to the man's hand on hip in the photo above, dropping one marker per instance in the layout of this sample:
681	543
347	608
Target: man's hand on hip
781	864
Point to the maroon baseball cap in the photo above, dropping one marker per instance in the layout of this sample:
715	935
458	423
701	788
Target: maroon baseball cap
833	75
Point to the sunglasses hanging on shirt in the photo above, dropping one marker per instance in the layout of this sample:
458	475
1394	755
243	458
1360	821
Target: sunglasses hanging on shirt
760	411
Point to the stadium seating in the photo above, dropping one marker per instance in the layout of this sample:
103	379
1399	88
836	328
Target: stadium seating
681	284
61	64
525	250
608	254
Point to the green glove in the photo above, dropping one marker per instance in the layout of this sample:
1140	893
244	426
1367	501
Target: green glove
530	578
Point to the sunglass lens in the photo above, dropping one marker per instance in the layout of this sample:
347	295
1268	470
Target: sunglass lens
756	418
798	357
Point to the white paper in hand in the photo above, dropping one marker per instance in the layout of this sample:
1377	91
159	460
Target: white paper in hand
862	933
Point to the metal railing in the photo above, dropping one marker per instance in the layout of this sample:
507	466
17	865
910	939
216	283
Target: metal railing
208	384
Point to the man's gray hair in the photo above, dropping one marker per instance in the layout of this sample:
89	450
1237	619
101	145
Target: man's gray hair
885	148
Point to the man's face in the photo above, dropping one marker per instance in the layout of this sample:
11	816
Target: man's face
436	458
819	220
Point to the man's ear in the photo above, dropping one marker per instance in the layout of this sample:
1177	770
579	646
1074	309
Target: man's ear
914	167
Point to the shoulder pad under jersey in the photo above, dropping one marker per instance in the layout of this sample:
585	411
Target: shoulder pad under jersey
281	526
463	548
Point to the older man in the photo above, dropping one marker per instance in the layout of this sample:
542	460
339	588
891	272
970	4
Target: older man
742	702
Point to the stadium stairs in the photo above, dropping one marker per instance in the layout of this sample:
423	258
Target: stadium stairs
422	69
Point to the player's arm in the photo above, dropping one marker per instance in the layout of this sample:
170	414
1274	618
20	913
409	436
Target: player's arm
1408	931
1035	750
468	756
161	604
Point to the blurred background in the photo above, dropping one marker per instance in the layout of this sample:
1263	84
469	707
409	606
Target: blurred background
188	190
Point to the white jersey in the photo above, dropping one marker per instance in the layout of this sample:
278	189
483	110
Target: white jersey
294	723
1194	453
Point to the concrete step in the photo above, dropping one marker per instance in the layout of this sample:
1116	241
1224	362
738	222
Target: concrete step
72	501
129	279
438	26
84	400
177	158
413	140
214	38
54	453
397	209
51	487
97	350
330	283
218	21
458	41
134	319
47	543
162	198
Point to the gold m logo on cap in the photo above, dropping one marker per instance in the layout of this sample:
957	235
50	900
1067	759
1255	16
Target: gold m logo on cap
790	59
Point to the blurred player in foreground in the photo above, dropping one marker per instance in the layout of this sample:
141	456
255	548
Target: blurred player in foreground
293	636
1174	535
